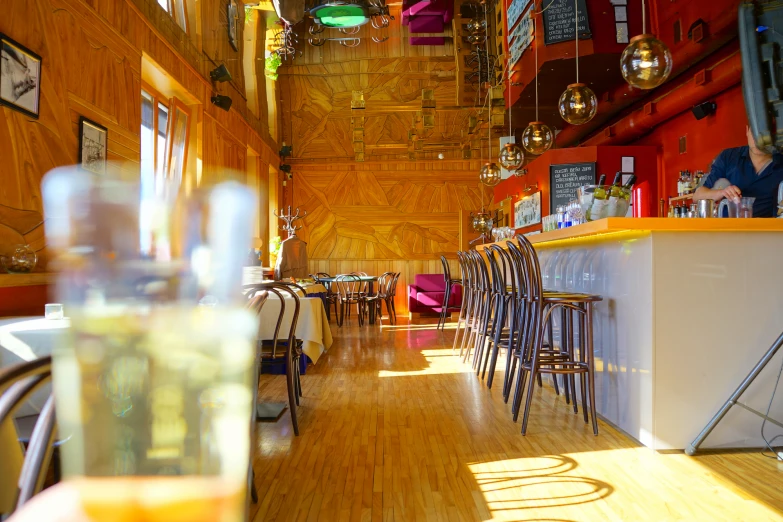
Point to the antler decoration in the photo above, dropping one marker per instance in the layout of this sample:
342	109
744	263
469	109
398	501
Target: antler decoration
289	219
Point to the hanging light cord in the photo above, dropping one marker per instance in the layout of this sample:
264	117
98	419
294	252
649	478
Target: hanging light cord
644	18
576	33
489	91
535	45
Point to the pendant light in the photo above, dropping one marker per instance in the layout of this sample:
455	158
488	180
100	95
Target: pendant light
489	174
647	62
511	157
537	137
578	102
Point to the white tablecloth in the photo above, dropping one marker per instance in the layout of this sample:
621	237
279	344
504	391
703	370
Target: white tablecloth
25	339
22	339
312	327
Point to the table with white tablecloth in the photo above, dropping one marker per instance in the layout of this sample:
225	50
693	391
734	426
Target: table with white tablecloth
312	326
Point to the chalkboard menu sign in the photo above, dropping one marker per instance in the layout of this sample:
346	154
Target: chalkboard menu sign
559	21
565	179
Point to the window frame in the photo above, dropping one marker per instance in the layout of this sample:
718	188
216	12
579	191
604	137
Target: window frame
172	8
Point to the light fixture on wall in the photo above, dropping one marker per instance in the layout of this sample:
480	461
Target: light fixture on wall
578	102
647	62
224	102
220	74
537	137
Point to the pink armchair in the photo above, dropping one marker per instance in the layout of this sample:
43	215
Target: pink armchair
425	295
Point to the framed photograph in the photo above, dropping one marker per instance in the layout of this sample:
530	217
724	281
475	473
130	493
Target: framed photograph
92	146
20	77
527	211
233	21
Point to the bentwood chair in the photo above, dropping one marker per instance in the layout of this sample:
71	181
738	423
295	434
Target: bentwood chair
288	350
535	357
255	303
374	303
331	295
468	290
392	297
17	384
450	282
349	292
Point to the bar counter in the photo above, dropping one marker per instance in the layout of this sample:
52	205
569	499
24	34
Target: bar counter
690	306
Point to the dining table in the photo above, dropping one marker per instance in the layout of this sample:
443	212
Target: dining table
370	280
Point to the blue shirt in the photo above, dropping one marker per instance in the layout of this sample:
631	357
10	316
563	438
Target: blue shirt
735	166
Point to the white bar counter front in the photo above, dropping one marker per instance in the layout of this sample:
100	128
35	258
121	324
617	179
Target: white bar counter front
690	306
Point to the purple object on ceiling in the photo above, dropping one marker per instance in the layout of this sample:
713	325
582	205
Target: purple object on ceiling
427	40
411	9
426	24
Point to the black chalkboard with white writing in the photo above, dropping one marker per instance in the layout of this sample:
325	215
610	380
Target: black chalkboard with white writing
559	21
565	179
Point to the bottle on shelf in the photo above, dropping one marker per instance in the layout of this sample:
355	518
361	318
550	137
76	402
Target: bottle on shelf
615	195
671	211
600	200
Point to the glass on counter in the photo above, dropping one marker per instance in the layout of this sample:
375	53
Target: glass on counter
154	393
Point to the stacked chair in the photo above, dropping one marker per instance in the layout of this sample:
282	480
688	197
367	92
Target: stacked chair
505	306
446	307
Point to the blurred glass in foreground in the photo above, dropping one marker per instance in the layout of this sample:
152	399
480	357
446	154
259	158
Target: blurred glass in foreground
153	392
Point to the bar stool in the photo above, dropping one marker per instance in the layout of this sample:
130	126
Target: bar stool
467	297
450	282
482	306
505	319
534	358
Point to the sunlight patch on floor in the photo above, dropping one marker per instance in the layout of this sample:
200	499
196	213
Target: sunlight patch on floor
585	485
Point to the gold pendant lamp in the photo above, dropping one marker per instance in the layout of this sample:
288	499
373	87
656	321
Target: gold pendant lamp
647	62
537	137
578	102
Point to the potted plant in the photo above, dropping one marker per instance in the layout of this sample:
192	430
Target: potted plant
274	249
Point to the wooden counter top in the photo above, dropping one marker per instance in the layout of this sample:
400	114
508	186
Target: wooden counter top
615	225
32	279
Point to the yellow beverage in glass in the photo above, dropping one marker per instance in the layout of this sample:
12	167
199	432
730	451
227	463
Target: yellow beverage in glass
155	404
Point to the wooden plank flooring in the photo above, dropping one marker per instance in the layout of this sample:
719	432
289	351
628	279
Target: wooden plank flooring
396	428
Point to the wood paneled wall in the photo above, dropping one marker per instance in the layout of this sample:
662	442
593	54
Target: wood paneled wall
382	217
92	52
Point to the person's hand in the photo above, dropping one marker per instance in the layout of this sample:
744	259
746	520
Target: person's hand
731	192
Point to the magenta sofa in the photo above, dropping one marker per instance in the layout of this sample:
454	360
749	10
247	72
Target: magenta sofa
425	295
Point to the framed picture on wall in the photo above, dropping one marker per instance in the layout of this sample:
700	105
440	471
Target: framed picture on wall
527	211
233	21
92	146
20	77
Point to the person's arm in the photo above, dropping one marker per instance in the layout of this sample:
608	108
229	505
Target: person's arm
717	172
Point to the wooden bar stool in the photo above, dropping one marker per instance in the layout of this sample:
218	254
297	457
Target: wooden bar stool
535	359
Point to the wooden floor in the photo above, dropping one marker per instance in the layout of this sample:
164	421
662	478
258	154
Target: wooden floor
394	427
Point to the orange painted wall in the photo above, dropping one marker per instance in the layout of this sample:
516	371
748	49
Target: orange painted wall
705	138
607	160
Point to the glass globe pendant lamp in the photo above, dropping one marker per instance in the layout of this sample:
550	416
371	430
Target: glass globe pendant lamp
578	104
482	222
537	138
477	26
646	63
490	174
511	157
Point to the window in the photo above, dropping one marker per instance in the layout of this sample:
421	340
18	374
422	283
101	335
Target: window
176	8
165	128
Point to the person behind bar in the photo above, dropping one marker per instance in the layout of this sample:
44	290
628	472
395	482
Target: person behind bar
750	173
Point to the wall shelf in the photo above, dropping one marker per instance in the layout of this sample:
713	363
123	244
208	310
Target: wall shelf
32	279
681	198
